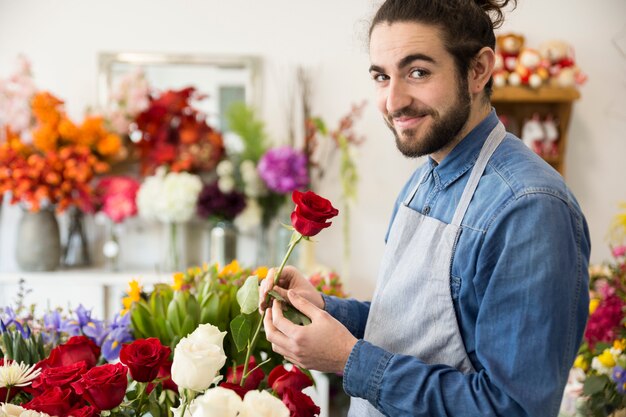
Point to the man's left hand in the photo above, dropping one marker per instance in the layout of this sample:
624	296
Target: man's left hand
323	345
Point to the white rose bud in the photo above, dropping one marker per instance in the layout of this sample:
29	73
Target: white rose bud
216	402
198	358
262	404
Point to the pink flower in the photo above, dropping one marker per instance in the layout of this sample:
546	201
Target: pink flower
605	321
619	251
117	197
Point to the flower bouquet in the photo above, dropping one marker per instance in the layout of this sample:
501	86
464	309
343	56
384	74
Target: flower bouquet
597	384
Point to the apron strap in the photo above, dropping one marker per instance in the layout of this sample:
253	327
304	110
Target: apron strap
494	139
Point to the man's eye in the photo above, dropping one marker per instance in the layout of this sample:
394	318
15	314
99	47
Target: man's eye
380	77
418	73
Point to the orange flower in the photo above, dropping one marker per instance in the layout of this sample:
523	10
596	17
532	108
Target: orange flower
109	145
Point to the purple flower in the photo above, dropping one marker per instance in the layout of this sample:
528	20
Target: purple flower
619	376
283	170
119	334
213	203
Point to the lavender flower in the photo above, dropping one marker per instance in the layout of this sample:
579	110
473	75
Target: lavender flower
283	170
213	203
120	333
619	376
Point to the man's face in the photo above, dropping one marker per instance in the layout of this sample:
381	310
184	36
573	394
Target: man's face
423	100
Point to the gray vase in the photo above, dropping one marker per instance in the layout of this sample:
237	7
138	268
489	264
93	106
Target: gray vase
38	242
223	243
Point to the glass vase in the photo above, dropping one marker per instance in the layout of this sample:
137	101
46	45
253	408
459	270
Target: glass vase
76	249
223	243
111	247
173	260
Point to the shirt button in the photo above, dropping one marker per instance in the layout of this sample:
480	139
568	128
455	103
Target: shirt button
426	209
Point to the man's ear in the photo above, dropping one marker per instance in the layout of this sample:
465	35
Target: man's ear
481	70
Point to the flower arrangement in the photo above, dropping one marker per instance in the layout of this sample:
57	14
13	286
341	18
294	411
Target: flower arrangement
171	132
328	283
115	197
57	168
597	385
218	205
129	98
171	198
16	91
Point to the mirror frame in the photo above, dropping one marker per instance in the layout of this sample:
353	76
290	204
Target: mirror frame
106	60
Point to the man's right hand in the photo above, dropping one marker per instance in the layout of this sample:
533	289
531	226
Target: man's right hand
290	279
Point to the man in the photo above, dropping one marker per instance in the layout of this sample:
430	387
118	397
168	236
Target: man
482	299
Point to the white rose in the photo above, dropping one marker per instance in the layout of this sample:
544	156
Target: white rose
10	410
177	197
216	402
149	196
198	358
226	184
262	404
225	168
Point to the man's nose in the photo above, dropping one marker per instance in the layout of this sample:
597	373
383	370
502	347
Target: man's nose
398	97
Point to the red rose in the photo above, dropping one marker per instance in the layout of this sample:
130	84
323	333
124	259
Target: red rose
299	404
280	379
77	348
84	411
311	213
239	390
252	381
103	386
53	401
60	376
144	358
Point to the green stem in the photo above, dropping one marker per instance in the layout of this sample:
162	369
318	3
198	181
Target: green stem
140	390
251	345
6	401
174	246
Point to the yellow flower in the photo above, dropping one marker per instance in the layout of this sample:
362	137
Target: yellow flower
593	304
261	272
134	295
606	358
620	344
581	363
231	269
205	266
179	279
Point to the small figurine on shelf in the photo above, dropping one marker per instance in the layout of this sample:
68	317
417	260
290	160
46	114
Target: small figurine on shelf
533	134
529	70
558	57
551	143
509	46
500	74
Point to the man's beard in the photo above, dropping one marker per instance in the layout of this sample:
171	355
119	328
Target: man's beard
444	130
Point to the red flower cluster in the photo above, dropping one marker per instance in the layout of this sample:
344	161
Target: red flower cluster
175	134
70	383
287	385
604	323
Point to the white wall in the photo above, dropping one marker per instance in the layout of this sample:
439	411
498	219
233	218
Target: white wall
64	37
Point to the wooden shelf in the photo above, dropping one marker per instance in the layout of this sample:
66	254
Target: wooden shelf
520	103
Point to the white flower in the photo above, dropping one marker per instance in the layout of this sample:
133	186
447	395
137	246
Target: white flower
169	198
248	169
198	358
226	184
250	217
225	168
13	374
262	404
216	402
10	410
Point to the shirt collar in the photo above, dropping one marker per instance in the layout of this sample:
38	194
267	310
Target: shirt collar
464	154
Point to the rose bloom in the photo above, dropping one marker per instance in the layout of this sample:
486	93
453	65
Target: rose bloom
60	376
262	404
312	213
76	349
299	404
144	358
252	381
54	401
103	386
198	358
280	379
216	402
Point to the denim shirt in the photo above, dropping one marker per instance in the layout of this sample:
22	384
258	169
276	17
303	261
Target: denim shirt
519	288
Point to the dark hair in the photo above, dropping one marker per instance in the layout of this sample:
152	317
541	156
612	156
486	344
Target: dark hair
467	25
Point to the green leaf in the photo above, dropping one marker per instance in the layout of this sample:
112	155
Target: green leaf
193	308
210	309
251	130
173	318
594	384
276	295
248	295
295	316
189	325
154	409
240	329
320	125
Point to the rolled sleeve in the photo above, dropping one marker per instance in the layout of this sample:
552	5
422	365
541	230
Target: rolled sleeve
364	371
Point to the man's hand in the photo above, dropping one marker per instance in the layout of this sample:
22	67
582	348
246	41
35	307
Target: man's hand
290	279
324	345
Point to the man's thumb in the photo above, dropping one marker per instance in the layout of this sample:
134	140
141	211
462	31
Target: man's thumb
301	303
